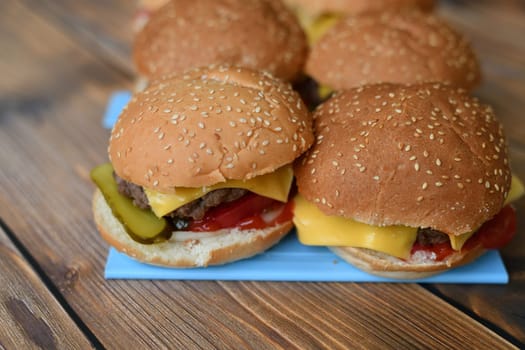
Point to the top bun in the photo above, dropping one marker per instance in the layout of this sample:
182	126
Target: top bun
258	34
355	7
396	47
421	156
151	5
207	126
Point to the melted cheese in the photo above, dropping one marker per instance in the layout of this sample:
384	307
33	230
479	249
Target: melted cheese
316	228
456	242
324	91
516	190
275	185
319	26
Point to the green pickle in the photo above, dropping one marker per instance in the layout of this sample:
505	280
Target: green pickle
142	225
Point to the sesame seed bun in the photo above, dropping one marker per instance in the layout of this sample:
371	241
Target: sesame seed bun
210	125
219	248
398	47
426	155
418	266
355	7
250	33
421	156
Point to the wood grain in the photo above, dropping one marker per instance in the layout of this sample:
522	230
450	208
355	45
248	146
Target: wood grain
53	92
30	317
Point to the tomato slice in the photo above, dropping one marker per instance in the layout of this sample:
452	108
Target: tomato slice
442	250
244	212
497	232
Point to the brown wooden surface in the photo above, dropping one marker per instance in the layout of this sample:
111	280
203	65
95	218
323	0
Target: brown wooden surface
30	317
59	62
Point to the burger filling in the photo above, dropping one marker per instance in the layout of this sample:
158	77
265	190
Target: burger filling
194	210
150	216
316	228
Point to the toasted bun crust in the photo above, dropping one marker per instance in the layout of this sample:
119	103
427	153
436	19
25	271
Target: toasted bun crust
421	156
151	5
250	33
208	126
355	7
226	246
419	266
397	47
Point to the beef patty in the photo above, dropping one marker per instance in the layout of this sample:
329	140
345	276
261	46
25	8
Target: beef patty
427	236
193	210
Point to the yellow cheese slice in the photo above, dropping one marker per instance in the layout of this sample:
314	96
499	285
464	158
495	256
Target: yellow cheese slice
316	228
275	185
320	26
516	190
324	91
457	242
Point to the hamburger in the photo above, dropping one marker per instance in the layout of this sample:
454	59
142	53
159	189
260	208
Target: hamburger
257	34
317	17
200	169
406	181
404	47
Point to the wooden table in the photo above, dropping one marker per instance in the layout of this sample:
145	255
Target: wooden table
60	60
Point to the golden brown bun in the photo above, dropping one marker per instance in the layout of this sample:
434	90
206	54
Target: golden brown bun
403	47
421	156
224	247
419	266
356	7
208	126
259	34
151	5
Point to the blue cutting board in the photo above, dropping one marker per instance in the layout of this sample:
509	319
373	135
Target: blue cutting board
287	261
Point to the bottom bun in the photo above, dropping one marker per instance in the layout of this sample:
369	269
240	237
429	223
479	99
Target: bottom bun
217	248
420	265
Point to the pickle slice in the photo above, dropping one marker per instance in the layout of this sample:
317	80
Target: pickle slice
142	225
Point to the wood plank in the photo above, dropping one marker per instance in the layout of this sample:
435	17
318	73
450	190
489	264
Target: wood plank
100	26
50	137
30	317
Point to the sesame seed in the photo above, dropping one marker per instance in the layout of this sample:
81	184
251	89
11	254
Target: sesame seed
416	166
420	198
376	178
438	162
438	184
170	161
156	183
424	186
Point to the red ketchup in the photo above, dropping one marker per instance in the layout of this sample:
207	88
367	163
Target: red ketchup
493	234
248	212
